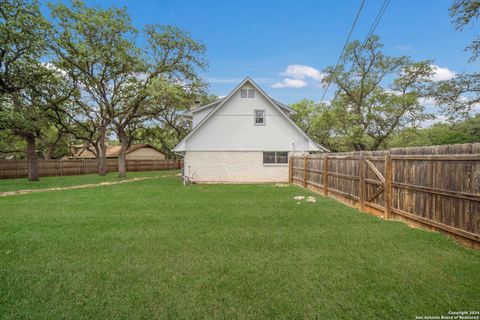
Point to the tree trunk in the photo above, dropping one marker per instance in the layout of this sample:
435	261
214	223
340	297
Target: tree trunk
102	151
122	166
32	158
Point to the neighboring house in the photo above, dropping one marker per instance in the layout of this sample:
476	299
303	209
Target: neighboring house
244	137
135	152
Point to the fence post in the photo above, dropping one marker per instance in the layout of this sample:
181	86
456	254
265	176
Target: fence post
361	182
61	167
325	176
305	171
290	169
388	186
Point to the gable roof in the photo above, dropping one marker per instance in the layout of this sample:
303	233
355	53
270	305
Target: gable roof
190	113
112	151
219	103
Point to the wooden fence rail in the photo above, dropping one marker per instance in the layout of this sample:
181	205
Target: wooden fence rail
434	187
11	169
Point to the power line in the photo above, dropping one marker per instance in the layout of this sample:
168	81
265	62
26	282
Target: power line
375	24
344	46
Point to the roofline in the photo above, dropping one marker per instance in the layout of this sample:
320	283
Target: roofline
190	112
145	145
283	105
248	79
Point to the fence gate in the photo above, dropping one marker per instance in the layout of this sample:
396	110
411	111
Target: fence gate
372	182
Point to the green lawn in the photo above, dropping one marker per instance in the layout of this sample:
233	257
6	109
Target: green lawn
50	182
154	249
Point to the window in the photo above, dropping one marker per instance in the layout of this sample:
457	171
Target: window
278	157
247	93
259	116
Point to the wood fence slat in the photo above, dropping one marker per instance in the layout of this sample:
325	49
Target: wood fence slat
375	170
325	176
388	186
361	184
437	187
11	169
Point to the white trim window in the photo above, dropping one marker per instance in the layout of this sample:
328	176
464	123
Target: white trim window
275	157
247	93
259	117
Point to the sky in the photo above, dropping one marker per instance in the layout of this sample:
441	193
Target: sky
284	45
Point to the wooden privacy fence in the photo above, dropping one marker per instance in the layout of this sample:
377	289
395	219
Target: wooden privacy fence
11	169
435	187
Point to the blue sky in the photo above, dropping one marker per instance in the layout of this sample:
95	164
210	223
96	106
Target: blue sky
262	39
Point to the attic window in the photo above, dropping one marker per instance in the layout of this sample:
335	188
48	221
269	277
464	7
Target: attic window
247	93
259	116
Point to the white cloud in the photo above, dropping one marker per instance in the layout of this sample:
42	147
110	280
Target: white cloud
290	83
430	122
297	76
440	74
300	71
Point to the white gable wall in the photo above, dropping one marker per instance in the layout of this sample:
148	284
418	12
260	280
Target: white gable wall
199	115
231	128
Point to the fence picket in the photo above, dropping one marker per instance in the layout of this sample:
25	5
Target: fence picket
434	187
10	169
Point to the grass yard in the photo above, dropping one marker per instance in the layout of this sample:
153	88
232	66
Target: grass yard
155	249
54	182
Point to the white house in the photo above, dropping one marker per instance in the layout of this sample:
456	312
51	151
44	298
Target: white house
244	137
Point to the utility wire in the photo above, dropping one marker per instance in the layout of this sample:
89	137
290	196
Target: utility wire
344	46
375	24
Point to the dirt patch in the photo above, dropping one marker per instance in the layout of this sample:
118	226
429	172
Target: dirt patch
83	186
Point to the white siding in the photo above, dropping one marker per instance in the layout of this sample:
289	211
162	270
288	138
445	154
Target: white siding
199	115
232	166
231	128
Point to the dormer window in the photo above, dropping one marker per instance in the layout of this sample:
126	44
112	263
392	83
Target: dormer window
259	117
247	93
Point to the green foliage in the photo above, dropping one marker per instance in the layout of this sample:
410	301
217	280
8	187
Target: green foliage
11	144
467	131
464	13
365	111
460	96
318	121
95	48
23	42
124	86
170	126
